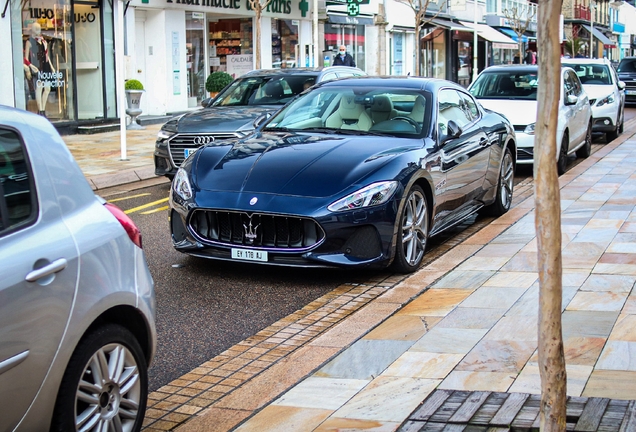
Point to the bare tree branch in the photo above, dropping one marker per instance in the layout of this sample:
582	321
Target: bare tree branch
419	8
515	16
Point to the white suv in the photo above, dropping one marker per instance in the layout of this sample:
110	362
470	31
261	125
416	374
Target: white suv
606	93
512	91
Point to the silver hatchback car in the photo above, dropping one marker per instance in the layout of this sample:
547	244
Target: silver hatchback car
77	303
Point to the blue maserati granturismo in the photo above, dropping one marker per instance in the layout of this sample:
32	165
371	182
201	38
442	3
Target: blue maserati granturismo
358	172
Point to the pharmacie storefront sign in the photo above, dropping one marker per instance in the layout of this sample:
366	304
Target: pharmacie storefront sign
276	6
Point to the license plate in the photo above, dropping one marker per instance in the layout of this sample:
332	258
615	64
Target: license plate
249	255
187	152
630	92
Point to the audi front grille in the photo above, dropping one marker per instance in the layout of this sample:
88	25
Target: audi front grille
257	230
182	143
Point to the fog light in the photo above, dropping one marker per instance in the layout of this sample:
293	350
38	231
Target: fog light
607	122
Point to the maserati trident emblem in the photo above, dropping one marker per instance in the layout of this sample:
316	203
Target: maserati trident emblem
253	201
250	231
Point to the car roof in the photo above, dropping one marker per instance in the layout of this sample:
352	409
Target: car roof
515	68
308	71
586	61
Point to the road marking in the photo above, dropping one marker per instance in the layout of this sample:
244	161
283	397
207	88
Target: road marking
155	210
145	206
128	197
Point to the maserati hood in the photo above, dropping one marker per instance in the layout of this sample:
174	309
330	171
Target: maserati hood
301	165
226	119
518	112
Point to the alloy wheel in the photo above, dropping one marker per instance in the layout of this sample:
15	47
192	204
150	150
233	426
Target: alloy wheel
414	228
109	392
506	180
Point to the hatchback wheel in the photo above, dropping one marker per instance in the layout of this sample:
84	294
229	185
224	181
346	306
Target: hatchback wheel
105	385
586	150
503	200
412	232
562	162
621	126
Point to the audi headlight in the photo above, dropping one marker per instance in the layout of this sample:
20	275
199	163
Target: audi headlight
529	129
374	194
164	135
606	100
181	185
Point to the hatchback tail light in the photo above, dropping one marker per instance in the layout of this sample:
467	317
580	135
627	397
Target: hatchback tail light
126	222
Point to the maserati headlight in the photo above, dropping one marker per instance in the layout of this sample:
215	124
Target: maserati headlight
374	194
181	185
606	100
529	129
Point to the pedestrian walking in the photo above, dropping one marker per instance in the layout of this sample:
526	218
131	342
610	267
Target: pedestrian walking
344	58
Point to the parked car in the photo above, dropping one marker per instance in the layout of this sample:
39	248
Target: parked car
77	305
354	173
627	73
231	114
606	93
512	90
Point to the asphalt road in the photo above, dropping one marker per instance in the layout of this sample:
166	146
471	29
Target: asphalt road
205	307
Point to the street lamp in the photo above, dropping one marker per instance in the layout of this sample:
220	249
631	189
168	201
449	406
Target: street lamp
592	7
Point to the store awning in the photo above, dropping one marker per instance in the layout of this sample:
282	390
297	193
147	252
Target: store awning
491	35
447	24
513	35
607	42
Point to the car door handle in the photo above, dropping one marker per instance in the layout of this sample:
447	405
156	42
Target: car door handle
483	142
12	362
56	266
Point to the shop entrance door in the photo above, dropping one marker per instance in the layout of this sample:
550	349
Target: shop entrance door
88	60
139	67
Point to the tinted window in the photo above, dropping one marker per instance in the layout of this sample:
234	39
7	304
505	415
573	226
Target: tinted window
627	65
452	107
572	83
471	106
16	196
506	85
263	90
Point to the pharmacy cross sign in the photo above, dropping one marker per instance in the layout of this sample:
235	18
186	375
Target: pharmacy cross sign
353	7
304	7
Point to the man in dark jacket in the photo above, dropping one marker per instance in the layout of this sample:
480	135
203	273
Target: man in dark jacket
343	58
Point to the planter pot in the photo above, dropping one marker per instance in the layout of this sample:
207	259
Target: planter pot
133	99
213	94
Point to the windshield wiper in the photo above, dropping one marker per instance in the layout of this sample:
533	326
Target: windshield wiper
343	131
277	129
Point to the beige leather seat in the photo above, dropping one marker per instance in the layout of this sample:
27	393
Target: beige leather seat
349	115
382	109
417	113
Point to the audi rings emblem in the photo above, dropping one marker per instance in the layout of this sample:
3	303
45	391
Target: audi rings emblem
203	139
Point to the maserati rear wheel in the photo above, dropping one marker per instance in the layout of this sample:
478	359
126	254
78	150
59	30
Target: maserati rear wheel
412	232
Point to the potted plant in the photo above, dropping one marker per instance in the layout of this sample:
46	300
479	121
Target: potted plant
217	81
134	89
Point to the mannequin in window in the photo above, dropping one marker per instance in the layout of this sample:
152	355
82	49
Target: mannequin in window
36	58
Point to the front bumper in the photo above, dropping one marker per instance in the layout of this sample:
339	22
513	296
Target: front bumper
163	162
525	148
604	118
362	238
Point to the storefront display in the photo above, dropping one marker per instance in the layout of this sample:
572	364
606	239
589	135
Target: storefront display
350	35
195	57
228	37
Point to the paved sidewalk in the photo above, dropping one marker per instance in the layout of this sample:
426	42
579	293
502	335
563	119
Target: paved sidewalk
368	354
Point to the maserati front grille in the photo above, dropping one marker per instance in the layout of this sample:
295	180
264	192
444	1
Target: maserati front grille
258	230
181	145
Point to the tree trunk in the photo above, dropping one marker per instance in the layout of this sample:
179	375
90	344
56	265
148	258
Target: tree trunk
548	222
418	50
257	48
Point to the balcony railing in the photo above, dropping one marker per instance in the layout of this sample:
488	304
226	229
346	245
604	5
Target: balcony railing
582	12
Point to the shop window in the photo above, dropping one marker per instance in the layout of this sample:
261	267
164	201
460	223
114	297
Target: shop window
195	59
352	36
284	43
229	37
46	66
